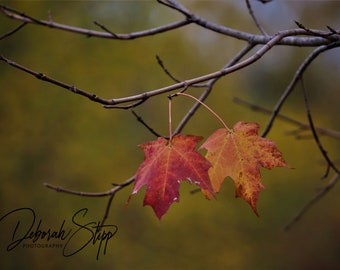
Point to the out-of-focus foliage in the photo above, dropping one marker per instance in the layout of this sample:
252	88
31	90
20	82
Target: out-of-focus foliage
50	135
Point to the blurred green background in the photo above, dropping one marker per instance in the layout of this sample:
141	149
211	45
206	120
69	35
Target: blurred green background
51	135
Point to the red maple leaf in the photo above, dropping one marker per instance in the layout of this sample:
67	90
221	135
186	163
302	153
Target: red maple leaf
239	153
166	164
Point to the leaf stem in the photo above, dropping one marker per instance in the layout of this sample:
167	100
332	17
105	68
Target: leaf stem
170	118
207	107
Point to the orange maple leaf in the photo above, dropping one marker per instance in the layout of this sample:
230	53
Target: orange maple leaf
239	153
166	164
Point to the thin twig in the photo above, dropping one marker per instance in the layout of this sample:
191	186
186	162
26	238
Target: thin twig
315	33
315	134
293	82
302	126
43	77
167	72
79	193
92	194
111	193
16	29
160	62
315	199
107	209
106	29
257	23
140	119
126	107
176	6
332	30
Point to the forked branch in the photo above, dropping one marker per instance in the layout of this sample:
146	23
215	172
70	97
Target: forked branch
316	37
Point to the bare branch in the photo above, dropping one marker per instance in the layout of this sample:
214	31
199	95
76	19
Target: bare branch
167	72
257	23
106	29
13	31
300	125
107	210
111	193
16	15
92	194
46	78
333	30
160	62
190	18
315	32
126	107
209	86
315	134
78	193
142	97
257	39
315	199
176	6
140	119
293	82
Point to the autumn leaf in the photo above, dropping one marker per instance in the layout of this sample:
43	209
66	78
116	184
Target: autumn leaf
239	153
166	164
